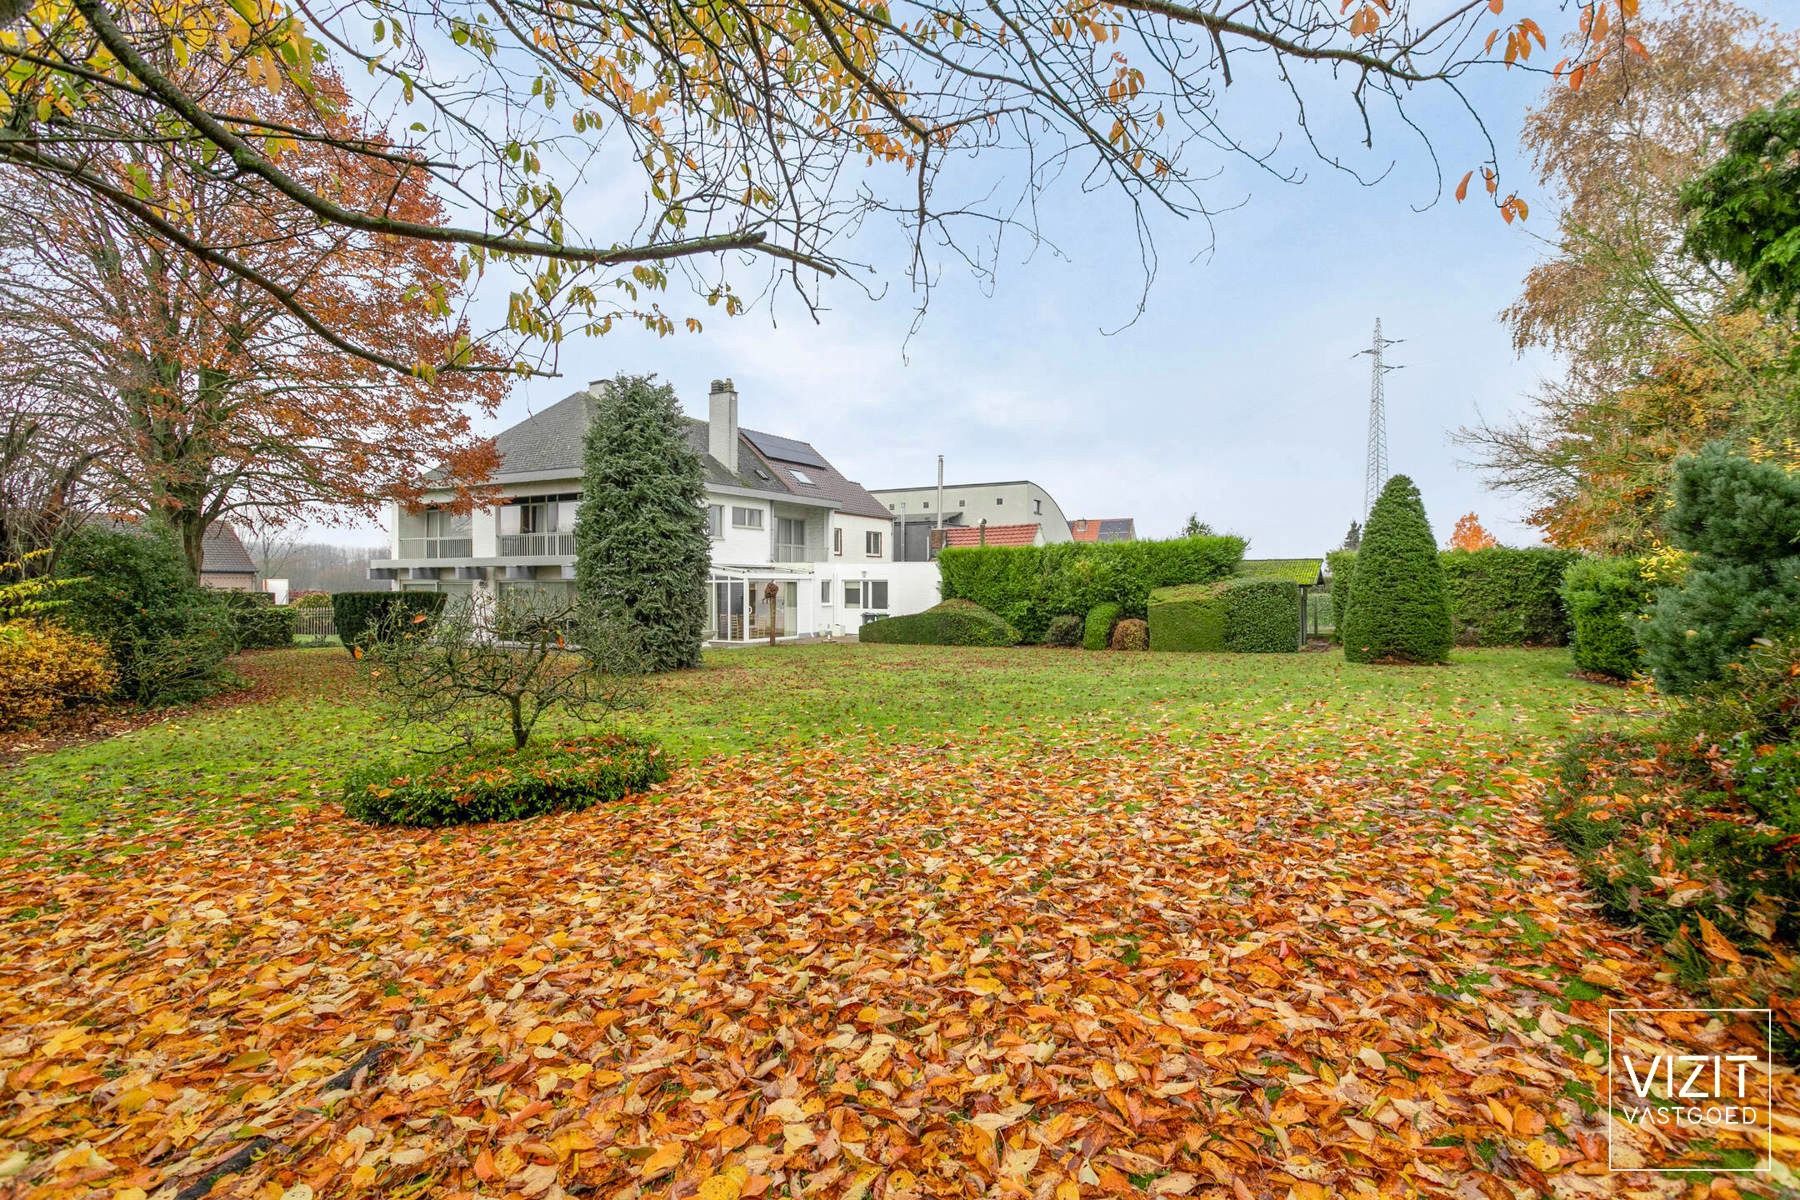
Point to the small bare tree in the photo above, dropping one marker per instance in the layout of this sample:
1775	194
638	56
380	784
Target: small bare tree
517	658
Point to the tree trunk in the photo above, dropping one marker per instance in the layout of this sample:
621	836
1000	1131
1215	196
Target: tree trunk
520	733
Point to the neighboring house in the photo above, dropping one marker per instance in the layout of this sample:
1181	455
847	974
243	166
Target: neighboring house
1103	529
990	535
1012	502
224	563
776	508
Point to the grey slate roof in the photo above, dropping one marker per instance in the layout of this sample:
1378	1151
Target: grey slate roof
222	552
550	441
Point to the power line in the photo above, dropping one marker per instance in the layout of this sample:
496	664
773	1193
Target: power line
1375	471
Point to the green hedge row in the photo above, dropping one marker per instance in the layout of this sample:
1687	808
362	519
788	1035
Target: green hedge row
1605	598
1244	616
357	614
1029	585
950	623
1508	597
256	622
504	785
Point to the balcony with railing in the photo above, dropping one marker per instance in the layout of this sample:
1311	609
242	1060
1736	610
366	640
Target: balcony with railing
437	547
528	544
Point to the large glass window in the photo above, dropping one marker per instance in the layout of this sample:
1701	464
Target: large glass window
790	539
875	594
538	524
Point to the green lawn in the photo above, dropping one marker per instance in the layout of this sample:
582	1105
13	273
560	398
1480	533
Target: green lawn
312	715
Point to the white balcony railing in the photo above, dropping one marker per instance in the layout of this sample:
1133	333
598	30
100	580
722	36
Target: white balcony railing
436	547
537	543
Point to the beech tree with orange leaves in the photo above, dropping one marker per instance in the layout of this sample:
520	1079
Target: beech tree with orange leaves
1659	354
209	397
1469	534
758	135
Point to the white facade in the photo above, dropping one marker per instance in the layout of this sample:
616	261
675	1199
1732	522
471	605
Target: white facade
1013	502
831	569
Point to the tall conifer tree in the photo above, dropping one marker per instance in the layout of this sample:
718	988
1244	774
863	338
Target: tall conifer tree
641	551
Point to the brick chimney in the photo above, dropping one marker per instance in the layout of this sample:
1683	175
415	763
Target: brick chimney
722	424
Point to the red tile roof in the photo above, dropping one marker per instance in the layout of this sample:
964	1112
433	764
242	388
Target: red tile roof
997	535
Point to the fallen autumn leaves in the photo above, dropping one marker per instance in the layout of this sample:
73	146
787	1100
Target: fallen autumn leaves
1162	967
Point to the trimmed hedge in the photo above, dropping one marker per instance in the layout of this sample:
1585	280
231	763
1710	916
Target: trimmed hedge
1097	630
257	623
1341	567
357	614
504	784
950	623
1242	616
1605	599
1401	610
1132	633
1028	585
1507	597
1065	630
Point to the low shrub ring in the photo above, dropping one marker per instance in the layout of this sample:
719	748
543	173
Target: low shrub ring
499	784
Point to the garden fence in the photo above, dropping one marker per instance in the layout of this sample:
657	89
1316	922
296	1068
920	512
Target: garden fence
314	622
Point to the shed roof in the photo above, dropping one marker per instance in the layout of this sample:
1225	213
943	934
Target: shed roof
990	535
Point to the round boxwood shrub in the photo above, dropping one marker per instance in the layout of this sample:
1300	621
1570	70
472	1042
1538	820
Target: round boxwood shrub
1097	635
358	615
1131	634
1402	610
1605	599
502	784
1065	630
950	623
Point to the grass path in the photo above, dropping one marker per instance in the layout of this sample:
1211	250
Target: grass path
983	924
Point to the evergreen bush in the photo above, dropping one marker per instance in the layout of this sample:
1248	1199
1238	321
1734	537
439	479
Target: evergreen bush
1029	585
256	622
167	636
1240	616
1097	628
1605	599
1741	521
642	555
1401	611
494	784
1065	630
949	623
1502	596
360	617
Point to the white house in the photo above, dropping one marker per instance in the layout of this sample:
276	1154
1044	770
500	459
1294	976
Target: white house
778	512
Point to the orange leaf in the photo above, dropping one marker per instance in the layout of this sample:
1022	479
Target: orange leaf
1462	189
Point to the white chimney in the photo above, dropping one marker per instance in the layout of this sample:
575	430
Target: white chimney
722	424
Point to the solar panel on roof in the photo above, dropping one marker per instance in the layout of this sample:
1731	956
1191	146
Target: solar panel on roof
786	450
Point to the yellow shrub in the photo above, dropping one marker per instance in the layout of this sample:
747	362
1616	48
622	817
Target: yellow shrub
44	667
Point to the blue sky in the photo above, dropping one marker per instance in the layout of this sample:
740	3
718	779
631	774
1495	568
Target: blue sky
1236	395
